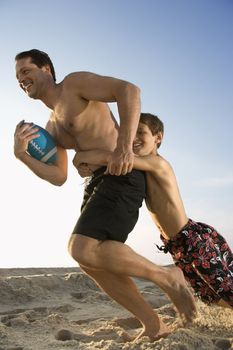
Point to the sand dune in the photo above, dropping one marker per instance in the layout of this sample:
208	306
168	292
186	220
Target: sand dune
43	309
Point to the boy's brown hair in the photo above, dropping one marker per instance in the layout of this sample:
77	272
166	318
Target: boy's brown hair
153	122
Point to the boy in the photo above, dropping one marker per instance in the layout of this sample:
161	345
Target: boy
198	249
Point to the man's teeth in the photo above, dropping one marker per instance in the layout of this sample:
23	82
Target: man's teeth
27	85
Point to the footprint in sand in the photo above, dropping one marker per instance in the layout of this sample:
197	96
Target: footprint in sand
19	320
63	308
127	323
66	334
98	335
14	348
79	295
223	344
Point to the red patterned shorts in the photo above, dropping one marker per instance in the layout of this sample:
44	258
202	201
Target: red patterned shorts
205	259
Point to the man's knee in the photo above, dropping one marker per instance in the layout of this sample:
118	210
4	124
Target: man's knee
82	249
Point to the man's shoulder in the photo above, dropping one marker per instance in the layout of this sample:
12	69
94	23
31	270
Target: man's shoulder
77	80
78	76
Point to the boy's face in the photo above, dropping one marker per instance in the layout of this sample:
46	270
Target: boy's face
145	143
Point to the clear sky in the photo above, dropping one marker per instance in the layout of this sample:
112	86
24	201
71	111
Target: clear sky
179	52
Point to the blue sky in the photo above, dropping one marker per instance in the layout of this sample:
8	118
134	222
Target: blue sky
178	52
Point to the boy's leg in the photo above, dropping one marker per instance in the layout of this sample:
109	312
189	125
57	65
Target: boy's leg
206	260
214	263
200	287
224	304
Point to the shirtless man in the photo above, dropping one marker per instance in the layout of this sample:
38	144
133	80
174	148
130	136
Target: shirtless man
82	120
198	249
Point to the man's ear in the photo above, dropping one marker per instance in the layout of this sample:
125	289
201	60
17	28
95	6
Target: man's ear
46	68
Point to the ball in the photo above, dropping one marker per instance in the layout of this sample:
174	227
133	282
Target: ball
43	147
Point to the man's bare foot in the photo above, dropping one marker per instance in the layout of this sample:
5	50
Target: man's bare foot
154	334
177	290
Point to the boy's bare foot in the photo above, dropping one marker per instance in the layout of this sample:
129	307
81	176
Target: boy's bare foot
223	303
177	290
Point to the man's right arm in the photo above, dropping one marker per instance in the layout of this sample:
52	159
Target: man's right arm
55	174
93	87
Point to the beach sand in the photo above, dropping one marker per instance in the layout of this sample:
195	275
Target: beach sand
61	308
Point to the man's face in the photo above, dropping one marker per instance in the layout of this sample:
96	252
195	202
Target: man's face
29	77
144	142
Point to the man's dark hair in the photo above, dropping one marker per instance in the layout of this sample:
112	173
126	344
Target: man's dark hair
153	122
39	58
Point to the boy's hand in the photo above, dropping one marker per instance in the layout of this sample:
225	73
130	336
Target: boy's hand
84	170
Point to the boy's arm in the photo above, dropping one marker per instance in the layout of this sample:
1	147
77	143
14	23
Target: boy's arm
94	157
100	157
146	163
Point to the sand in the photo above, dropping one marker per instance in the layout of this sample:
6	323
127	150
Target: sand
61	308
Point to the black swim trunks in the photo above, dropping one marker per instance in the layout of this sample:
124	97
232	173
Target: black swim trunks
205	259
111	205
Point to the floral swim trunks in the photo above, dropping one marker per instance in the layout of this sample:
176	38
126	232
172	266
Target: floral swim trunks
205	259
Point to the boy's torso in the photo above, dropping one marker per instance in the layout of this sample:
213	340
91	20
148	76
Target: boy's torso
164	202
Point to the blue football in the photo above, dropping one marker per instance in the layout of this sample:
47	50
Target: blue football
43	148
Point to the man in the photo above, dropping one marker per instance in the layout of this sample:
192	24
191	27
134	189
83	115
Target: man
82	120
197	248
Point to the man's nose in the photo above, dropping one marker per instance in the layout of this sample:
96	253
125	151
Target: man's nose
21	82
20	79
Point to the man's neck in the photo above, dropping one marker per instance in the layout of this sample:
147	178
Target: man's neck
51	95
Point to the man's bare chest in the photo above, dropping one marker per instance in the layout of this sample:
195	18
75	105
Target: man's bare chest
68	122
84	125
68	114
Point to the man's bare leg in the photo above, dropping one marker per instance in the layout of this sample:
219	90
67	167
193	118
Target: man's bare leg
123	290
118	258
